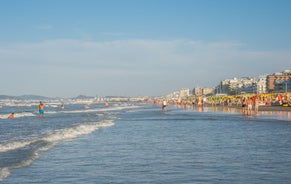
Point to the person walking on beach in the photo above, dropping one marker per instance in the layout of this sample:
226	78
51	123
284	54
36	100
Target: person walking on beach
164	105
41	109
250	106
244	105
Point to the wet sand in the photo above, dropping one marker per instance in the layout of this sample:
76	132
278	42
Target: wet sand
269	108
274	108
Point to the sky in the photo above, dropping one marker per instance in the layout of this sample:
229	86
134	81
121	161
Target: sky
66	48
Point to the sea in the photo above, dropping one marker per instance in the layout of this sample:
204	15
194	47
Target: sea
139	143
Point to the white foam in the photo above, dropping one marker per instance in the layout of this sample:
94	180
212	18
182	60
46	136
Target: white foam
77	131
51	112
13	145
53	139
4	173
53	105
113	108
59	135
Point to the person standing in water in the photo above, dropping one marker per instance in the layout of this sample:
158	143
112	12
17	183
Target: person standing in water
249	106
244	106
41	109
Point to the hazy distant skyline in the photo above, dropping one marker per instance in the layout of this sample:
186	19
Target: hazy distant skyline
138	47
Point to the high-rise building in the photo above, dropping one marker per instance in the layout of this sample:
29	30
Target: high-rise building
236	86
207	91
184	92
262	85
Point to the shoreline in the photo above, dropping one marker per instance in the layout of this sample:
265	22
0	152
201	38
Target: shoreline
268	108
274	108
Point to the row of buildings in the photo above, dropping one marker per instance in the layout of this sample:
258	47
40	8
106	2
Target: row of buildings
273	83
279	82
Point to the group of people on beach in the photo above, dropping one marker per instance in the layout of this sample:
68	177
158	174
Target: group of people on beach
248	104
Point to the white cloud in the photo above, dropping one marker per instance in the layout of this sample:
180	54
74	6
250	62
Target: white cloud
130	67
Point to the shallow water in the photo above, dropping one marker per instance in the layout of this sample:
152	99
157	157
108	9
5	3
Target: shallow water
141	144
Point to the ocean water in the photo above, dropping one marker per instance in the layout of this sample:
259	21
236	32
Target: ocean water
138	143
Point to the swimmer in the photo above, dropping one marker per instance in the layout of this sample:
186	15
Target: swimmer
11	116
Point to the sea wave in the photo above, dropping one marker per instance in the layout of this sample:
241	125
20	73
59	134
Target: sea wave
59	135
77	131
113	108
35	113
4	173
45	143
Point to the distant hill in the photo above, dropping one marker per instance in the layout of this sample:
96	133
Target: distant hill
116	97
25	97
83	97
33	97
38	97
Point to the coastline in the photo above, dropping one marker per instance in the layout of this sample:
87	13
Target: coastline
268	108
274	108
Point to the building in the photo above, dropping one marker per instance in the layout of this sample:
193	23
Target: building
236	86
207	91
279	78
184	93
198	91
178	95
228	86
281	86
202	91
248	88
262	84
174	95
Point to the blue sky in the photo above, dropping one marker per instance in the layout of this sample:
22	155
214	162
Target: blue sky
138	47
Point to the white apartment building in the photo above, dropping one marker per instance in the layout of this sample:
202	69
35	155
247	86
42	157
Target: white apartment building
184	93
262	84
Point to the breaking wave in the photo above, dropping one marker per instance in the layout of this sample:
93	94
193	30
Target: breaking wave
31	148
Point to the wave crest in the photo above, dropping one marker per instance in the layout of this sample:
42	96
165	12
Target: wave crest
45	143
